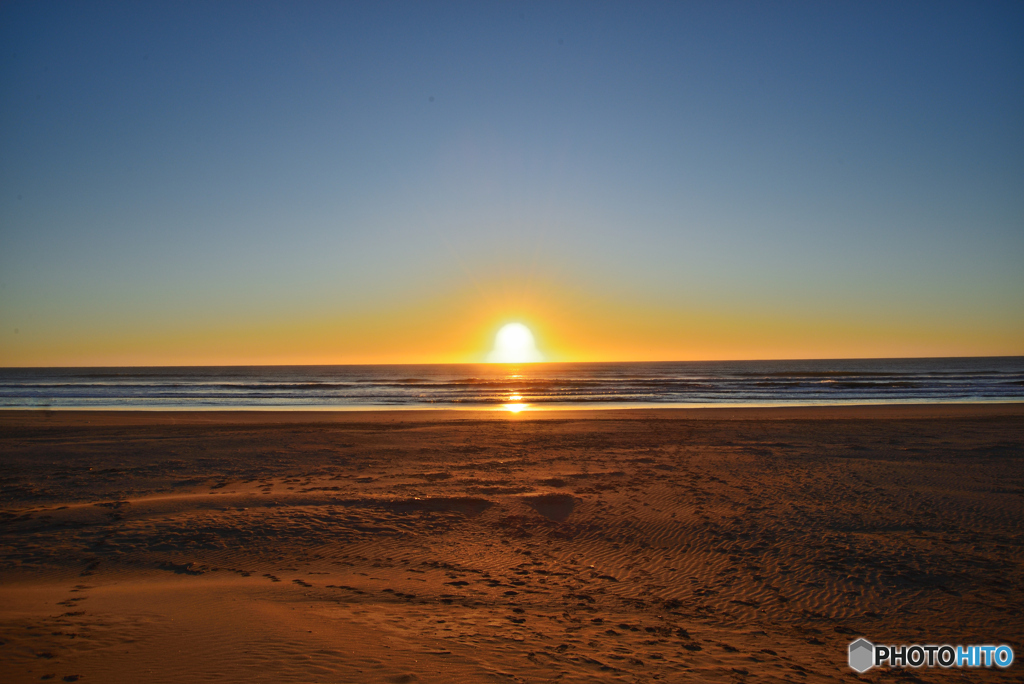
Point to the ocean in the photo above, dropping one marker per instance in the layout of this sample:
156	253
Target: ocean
547	385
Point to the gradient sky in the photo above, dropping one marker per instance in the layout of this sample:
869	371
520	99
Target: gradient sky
236	183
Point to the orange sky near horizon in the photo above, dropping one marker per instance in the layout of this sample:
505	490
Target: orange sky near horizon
568	326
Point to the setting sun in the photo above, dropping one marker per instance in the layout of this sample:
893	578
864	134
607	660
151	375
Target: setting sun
514	343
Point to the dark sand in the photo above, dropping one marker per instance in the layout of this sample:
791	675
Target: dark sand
672	545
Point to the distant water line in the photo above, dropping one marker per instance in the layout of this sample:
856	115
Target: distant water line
554	385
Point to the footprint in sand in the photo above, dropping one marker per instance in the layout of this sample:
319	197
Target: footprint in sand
71	602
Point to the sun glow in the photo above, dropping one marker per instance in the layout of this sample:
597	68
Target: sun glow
514	344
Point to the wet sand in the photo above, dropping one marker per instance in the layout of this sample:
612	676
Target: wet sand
652	545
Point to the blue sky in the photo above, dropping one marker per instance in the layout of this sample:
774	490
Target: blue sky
367	181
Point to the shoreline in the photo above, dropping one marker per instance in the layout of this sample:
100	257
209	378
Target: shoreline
64	416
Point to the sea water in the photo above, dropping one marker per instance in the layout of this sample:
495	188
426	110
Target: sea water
554	385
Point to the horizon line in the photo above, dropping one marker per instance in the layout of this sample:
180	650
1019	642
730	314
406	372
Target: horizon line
528	363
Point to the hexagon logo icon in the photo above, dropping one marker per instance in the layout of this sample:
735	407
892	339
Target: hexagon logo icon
862	655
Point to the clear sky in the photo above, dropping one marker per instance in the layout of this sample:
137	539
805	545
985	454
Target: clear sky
236	183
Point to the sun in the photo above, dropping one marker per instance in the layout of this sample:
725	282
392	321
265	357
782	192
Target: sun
514	344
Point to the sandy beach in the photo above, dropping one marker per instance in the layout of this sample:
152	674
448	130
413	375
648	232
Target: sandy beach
458	546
